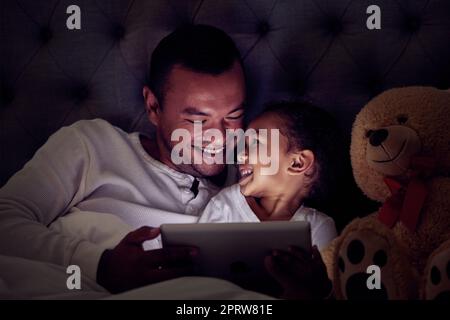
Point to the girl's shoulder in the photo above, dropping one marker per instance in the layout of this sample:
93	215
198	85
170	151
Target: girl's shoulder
323	228
313	216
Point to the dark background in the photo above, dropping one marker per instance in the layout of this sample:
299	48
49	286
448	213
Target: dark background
318	50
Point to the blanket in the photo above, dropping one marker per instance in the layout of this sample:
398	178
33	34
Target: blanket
27	279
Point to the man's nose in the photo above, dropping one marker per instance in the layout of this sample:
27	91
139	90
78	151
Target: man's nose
218	140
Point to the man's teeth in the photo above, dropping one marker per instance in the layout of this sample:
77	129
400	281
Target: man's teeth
212	151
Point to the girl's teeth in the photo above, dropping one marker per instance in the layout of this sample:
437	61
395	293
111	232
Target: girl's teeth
246	172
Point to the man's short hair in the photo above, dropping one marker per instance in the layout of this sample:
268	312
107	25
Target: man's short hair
201	48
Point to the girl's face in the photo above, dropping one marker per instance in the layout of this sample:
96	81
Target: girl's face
253	182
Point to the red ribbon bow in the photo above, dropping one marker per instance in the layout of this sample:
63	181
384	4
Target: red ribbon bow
407	198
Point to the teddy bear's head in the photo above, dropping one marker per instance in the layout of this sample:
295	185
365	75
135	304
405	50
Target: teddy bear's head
394	130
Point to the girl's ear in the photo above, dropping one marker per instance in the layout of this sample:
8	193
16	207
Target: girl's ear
302	162
151	106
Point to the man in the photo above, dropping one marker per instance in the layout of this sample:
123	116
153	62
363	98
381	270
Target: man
196	76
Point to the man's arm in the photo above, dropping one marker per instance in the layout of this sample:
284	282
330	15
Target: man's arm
46	188
48	185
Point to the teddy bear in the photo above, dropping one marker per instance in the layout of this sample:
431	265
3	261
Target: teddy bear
400	155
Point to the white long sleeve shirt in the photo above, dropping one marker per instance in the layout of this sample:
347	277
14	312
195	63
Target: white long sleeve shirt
230	206
91	166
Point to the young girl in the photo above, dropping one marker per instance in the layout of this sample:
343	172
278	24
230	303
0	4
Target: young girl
307	149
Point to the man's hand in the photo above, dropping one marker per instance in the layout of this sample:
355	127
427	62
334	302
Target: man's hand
128	266
302	275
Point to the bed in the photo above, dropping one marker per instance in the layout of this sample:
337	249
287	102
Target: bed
319	50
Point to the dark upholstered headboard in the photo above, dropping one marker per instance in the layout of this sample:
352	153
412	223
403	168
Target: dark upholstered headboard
317	49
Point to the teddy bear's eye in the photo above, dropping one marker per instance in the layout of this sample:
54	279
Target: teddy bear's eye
401	119
369	133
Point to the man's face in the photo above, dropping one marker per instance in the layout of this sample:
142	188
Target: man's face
215	101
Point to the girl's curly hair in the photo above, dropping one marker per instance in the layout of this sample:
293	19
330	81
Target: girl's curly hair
312	128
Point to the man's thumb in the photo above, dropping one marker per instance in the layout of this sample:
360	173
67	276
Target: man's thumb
142	234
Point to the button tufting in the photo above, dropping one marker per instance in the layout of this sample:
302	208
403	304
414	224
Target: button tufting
263	28
413	24
373	83
301	88
45	34
296	84
118	31
6	95
334	25
80	93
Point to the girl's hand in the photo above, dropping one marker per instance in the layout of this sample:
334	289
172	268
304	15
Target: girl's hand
301	274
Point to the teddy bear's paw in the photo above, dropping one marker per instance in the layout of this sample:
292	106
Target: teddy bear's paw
365	267
437	275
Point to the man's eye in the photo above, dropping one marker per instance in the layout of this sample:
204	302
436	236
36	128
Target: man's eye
234	117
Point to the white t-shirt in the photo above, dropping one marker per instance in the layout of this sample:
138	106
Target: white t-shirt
91	166
230	205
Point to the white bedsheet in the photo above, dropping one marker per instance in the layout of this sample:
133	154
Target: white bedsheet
26	279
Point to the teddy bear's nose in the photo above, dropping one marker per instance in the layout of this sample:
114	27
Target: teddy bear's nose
378	136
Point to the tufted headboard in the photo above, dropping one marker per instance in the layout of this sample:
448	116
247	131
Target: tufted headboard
316	49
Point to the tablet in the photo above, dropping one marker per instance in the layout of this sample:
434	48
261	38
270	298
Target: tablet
236	251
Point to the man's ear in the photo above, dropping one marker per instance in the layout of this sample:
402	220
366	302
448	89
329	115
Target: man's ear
151	105
302	162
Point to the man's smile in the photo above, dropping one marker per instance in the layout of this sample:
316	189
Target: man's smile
208	150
